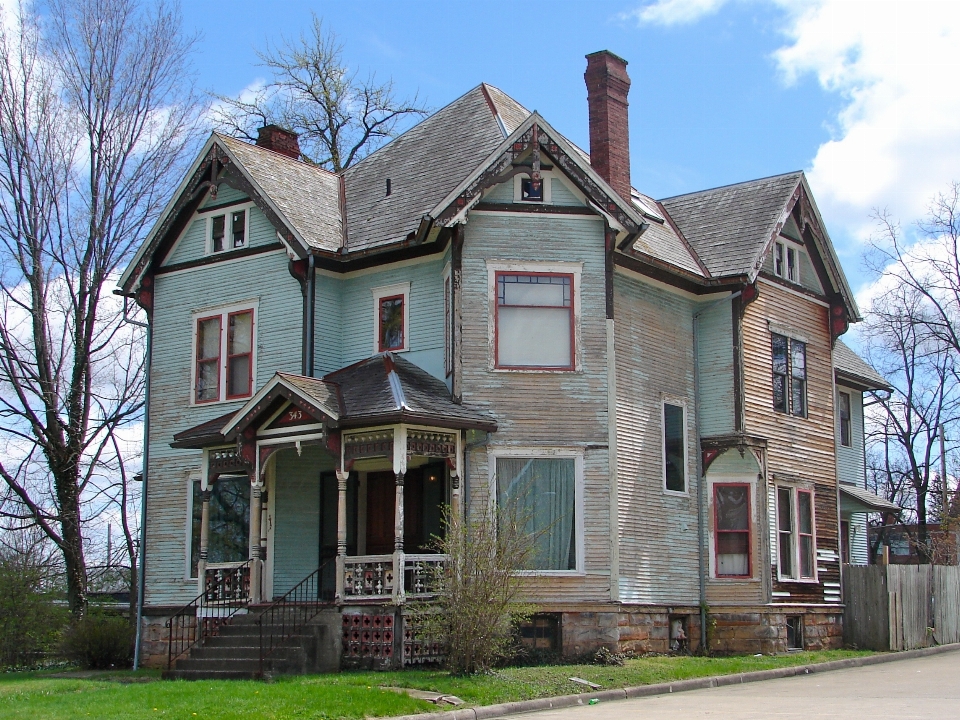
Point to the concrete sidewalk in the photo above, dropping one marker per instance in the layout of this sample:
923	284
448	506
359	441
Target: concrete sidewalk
918	687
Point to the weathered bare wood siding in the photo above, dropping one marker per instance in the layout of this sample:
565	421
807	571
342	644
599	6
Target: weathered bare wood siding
657	530
546	409
799	448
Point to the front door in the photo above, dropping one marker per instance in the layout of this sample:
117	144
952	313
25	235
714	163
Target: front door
381	493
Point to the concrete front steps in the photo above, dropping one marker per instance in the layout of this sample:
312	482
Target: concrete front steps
234	653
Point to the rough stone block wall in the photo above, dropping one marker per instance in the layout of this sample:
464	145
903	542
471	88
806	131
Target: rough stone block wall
584	633
153	641
740	631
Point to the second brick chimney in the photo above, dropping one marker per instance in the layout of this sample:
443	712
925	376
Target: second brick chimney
607	88
278	139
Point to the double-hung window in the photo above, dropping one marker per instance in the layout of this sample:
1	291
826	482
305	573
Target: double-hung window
535	321
391	318
732	530
789	375
224	355
843	411
795	536
228	230
540	496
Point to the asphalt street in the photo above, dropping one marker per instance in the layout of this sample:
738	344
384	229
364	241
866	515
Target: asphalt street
927	687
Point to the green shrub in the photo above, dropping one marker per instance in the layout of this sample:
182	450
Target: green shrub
99	642
30	622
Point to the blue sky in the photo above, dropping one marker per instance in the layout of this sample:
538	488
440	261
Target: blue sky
723	90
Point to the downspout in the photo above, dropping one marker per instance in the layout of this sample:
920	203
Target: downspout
141	565
701	485
309	318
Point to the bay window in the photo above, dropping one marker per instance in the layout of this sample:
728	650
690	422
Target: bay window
540	495
732	530
223	355
795	534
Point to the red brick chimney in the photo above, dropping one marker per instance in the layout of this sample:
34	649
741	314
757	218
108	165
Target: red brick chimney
278	139
607	88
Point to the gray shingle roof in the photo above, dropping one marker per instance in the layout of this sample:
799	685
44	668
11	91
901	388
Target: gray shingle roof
307	196
850	366
423	165
729	226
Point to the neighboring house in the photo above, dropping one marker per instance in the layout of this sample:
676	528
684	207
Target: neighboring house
853	378
479	312
903	541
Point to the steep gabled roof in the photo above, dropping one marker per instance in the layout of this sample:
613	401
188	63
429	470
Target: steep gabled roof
729	226
854	370
423	164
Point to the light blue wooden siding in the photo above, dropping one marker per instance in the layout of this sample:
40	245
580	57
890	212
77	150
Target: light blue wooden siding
560	194
654	356
262	277
859	541
502	193
296	544
192	245
425	338
564	410
850	466
717	400
328	336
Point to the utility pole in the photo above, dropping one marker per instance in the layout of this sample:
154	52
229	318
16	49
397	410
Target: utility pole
945	512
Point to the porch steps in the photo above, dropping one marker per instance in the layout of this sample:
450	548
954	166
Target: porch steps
234	653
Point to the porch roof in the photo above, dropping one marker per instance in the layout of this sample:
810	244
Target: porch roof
855	499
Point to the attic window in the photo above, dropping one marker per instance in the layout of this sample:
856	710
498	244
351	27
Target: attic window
786	261
531	190
228	230
389	189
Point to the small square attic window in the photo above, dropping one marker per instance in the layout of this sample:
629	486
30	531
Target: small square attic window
531	190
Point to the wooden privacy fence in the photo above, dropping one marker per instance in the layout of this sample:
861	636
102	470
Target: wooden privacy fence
901	607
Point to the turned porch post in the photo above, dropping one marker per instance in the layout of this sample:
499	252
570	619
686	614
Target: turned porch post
255	563
204	522
342	476
398	556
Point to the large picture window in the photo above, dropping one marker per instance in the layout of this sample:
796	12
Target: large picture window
534	321
732	532
789	370
795	536
540	495
224	355
229	537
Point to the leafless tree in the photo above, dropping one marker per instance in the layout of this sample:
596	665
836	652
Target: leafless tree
97	112
339	116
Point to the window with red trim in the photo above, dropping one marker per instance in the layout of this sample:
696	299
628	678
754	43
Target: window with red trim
224	356
732	532
534	321
391	323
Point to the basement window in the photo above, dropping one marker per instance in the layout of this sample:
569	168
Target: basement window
795	632
541	632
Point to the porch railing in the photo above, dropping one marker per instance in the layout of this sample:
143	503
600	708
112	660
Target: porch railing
226	592
375	577
288	615
421	574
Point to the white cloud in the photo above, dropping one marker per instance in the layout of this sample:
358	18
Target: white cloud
674	12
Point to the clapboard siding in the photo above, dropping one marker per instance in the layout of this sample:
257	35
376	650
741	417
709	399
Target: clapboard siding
263	278
560	193
850	461
859	542
425	338
328	337
799	448
296	513
192	244
716	352
562	409
657	530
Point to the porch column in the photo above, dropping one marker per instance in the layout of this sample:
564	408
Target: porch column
454	495
398	556
204	538
255	563
342	476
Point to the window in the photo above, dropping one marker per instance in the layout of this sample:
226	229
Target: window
786	261
229	537
731	503
540	495
534	321
795	539
526	189
674	448
531	190
795	632
447	323
391	305
227	230
843	410
789	375
223	367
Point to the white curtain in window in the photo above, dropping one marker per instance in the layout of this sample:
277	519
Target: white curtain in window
533	337
540	494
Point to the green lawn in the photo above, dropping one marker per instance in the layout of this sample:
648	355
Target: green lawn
347	695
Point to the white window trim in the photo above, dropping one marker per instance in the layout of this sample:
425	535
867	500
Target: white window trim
715	479
192	477
564	268
546	177
223	311
226	212
681	403
546	453
849	394
387	291
795	531
787	245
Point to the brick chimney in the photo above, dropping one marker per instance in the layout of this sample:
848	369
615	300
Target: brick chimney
607	88
278	139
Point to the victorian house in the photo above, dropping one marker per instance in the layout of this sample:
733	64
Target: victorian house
482	313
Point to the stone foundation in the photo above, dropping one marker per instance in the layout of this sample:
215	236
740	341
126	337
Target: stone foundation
154	637
751	630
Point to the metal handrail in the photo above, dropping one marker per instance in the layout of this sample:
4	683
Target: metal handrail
292	612
190	625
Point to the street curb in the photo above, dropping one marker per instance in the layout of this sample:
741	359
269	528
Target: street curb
487	712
